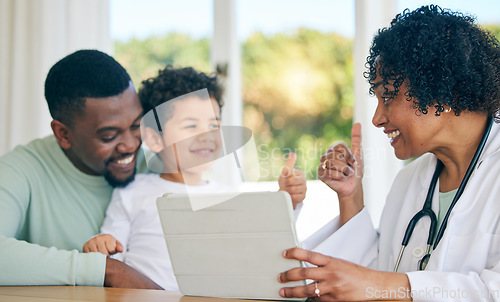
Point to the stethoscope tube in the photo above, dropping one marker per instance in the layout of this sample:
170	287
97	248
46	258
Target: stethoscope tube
467	175
426	211
427	208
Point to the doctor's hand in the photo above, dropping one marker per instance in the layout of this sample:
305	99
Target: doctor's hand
293	180
342	170
340	280
104	244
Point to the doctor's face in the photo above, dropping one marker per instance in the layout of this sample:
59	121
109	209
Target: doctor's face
410	133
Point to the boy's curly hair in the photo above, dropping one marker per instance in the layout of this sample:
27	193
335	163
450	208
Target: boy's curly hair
446	59
171	83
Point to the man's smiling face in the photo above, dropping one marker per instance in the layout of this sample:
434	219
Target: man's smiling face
105	138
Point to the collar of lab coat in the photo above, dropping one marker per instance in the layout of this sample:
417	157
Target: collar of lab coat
492	145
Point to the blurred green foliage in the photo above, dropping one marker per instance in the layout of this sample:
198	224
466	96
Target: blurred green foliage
144	58
494	29
297	88
298	95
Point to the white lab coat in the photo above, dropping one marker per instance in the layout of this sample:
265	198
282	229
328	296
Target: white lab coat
465	265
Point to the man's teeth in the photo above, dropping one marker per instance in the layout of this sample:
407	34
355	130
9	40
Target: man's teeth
393	134
126	160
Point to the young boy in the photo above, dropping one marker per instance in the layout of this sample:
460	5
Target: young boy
187	141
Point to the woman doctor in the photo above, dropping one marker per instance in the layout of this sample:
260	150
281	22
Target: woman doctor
436	76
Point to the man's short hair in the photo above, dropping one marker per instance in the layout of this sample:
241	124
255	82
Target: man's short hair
80	75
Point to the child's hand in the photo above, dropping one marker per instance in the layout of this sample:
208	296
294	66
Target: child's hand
104	244
293	181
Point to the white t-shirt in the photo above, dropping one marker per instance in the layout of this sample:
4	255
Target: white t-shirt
132	218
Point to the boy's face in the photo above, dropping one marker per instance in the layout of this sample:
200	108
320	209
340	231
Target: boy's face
192	137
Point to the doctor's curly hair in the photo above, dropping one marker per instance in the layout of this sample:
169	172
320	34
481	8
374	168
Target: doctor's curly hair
446	59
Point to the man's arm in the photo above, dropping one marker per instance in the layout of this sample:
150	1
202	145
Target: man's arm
118	274
23	263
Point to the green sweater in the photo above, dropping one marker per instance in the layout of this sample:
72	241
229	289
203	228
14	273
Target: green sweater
48	210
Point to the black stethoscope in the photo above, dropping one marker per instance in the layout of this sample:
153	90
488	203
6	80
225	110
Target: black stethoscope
427	210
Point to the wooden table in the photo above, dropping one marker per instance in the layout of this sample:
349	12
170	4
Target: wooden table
88	293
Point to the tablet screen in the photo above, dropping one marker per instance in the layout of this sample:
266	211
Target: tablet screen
233	247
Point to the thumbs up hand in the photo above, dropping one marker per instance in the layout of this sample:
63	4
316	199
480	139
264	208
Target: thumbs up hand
342	170
293	180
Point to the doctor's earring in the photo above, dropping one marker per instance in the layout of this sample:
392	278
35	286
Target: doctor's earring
447	110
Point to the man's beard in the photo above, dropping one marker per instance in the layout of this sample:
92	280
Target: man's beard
117	183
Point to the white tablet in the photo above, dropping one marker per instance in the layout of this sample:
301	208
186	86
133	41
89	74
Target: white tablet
232	248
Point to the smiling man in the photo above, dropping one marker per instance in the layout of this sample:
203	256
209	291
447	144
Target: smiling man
54	191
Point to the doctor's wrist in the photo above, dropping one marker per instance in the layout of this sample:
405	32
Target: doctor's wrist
350	206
